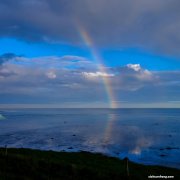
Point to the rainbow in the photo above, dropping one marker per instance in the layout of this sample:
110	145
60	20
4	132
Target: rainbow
97	58
109	128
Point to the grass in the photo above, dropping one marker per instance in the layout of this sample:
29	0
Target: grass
35	164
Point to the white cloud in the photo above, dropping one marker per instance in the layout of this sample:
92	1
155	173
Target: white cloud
146	75
97	74
51	75
136	71
135	67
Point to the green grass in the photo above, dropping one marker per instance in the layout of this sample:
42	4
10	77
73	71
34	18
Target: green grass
35	164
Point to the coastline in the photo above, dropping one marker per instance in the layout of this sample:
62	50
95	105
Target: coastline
37	164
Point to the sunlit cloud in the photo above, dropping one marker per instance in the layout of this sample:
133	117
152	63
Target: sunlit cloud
96	74
135	67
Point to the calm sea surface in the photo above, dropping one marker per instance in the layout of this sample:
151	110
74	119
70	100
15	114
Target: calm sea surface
148	136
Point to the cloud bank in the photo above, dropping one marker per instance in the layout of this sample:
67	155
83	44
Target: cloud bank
73	79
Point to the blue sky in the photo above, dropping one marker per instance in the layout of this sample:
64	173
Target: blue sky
79	54
110	56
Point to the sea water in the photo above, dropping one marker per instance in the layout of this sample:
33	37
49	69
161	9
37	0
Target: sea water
148	136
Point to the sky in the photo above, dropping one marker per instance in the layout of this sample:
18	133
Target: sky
89	53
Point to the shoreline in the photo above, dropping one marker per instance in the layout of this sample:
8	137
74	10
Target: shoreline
33	164
131	158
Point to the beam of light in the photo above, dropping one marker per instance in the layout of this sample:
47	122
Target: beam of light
97	58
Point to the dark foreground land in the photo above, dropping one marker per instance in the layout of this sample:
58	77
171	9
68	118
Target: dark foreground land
35	164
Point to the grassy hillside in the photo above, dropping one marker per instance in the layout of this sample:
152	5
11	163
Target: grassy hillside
35	164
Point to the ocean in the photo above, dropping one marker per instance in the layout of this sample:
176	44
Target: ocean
146	136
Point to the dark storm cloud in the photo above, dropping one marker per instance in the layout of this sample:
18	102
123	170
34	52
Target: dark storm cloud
152	25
